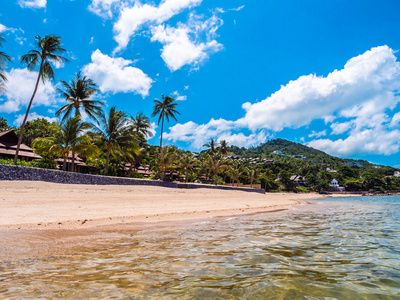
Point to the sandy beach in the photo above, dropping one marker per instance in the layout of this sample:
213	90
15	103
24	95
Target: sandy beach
42	205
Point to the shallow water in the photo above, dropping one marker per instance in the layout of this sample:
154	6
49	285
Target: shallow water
346	248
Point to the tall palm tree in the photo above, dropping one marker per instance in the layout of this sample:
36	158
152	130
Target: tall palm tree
141	124
211	145
48	50
78	94
115	132
223	147
165	109
3	60
69	137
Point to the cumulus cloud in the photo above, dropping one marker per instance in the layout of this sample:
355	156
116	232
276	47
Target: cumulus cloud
32	116
131	18
378	140
186	44
32	3
117	75
357	101
20	85
2	28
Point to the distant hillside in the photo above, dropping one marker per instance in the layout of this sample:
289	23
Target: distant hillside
287	147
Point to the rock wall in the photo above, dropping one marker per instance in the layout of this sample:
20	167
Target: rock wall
10	172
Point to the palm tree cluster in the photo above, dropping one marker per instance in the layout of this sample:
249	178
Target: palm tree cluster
113	139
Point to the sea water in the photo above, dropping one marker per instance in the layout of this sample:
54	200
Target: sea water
333	248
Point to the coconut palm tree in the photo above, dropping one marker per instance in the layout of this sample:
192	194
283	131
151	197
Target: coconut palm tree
141	124
69	136
3	60
164	109
78	94
211	145
223	147
188	162
48	50
116	133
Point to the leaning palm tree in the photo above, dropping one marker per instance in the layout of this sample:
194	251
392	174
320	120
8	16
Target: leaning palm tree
116	133
78	94
3	60
141	124
69	137
165	109
48	51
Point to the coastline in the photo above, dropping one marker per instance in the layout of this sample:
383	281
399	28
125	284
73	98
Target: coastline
43	205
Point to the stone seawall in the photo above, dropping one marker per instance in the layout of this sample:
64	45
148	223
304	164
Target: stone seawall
10	172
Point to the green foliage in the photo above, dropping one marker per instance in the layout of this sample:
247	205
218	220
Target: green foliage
284	179
38	128
19	162
136	174
354	185
3	125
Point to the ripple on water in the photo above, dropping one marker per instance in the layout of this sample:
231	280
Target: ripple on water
332	249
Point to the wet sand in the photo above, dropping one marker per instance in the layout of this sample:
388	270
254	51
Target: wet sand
43	219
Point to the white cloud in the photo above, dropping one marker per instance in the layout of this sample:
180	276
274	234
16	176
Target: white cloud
378	140
179	97
117	75
131	18
359	99
184	44
32	3
103	8
20	86
32	116
238	8
241	140
365	85
2	28
152	130
317	134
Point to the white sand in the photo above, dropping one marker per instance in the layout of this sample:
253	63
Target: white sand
42	205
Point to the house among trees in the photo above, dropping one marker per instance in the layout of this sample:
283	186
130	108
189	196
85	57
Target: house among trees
8	146
335	186
79	164
300	180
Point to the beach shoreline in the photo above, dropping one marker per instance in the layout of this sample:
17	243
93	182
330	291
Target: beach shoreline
43	205
41	219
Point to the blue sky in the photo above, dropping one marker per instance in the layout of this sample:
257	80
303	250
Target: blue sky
321	73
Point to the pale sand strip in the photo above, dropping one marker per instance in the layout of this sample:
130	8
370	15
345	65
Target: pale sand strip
42	205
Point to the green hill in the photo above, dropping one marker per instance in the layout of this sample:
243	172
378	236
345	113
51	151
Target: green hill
289	149
285	146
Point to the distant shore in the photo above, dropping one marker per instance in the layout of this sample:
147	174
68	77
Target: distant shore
42	205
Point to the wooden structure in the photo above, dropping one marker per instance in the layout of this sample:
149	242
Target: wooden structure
8	147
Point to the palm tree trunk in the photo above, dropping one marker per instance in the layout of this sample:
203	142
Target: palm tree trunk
64	163
26	115
73	162
162	129
215	179
187	174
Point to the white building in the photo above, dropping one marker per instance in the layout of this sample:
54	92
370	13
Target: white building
335	186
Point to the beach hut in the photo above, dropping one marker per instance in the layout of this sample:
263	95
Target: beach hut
8	147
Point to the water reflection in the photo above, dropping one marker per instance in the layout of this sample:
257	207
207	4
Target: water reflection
335	249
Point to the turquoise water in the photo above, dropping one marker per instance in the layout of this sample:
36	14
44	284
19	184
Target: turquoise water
347	248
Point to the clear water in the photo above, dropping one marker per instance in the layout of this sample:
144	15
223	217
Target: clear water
345	248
